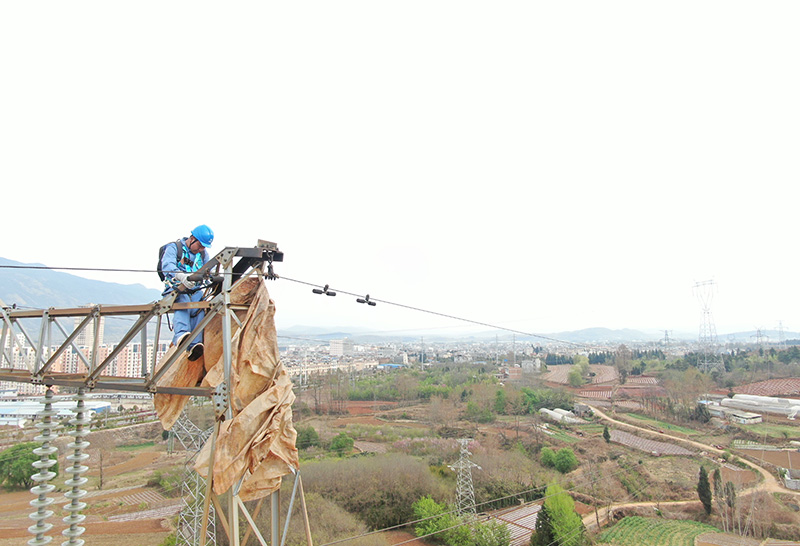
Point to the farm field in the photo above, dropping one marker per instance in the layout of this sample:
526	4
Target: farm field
125	512
639	531
643	420
645	444
772	387
559	374
775	430
784	458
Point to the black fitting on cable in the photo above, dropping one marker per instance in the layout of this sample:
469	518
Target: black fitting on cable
366	300
324	290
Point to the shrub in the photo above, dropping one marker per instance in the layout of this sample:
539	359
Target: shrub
16	465
380	490
307	437
342	444
565	460
329	522
547	457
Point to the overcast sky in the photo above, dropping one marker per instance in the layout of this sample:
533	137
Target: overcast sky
540	166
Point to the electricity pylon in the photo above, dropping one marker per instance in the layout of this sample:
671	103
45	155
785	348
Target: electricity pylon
465	491
708	331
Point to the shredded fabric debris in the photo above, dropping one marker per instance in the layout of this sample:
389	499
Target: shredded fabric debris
257	446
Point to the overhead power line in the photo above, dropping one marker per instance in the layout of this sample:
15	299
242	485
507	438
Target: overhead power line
324	288
439	314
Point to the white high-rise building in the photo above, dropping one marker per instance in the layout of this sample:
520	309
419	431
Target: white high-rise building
341	347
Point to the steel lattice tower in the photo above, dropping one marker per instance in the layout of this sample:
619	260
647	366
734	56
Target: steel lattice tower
708	331
465	491
193	488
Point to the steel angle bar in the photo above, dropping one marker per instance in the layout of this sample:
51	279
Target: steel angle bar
95	341
252	523
25	333
210	482
137	327
6	331
8	322
210	314
40	346
155	346
69	341
220	512
143	342
82	311
291	505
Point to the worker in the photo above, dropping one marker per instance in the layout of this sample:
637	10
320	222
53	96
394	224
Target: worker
179	260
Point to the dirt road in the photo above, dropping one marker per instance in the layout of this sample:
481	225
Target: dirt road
769	482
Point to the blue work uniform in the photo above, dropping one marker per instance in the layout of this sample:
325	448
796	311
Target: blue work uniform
184	320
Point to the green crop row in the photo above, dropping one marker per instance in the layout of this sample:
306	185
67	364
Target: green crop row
639	531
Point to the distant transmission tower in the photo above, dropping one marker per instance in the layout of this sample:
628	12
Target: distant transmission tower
781	334
708	331
465	491
666	341
760	338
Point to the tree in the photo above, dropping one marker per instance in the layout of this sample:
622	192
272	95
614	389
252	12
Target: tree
491	533
606	434
500	401
701	413
16	465
543	536
307	437
565	460
342	443
566	523
704	490
574	377
547	457
427	510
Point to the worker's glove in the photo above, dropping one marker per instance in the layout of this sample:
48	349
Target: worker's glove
183	278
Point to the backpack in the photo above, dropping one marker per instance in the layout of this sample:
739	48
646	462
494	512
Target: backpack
178	246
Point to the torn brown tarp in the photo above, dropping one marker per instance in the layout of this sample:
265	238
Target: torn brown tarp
184	373
256	446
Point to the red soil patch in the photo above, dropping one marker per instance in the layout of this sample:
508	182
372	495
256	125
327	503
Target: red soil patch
137	462
367	407
784	459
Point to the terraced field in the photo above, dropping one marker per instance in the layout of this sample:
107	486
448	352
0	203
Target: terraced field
772	387
644	444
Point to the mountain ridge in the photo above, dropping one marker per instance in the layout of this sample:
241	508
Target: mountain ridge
33	285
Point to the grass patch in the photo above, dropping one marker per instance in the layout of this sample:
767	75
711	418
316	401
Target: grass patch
591	428
661	425
134	447
384	433
784	432
639	531
562	436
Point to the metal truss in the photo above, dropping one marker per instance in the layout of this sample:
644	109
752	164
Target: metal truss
193	487
220	275
465	490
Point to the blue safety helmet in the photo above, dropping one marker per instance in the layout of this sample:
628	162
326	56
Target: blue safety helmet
203	234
